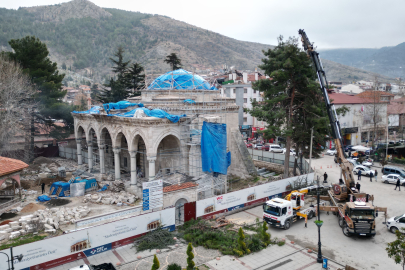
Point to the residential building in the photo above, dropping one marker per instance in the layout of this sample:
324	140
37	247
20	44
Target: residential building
357	125
351	89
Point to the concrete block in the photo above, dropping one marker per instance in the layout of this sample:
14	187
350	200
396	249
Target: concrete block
48	227
3	227
50	231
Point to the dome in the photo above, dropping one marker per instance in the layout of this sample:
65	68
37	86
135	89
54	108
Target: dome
180	79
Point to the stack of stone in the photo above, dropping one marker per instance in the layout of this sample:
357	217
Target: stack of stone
117	186
111	198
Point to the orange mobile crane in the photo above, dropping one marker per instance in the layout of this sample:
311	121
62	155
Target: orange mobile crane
355	212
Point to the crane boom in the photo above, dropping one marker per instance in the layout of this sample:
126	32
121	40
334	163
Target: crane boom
334	122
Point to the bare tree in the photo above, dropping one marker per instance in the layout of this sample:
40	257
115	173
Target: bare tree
16	92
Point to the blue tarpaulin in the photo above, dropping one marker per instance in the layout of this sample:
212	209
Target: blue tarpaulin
43	198
103	188
180	79
228	158
213	148
94	110
189	101
120	105
152	113
64	187
90	183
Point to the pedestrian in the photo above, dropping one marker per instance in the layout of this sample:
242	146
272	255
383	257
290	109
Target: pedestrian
358	186
325	176
371	176
359	175
375	175
43	187
306	220
350	153
398	185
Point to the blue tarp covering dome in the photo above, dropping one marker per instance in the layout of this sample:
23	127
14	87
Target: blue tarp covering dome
180	79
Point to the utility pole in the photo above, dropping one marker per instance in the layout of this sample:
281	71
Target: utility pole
310	149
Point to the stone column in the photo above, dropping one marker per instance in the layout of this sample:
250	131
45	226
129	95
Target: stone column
239	101
133	167
117	163
151	161
79	151
101	148
90	155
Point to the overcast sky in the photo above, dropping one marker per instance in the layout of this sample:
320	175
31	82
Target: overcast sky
330	24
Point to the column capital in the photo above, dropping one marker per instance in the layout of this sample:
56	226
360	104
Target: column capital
116	150
151	159
78	140
101	146
132	153
89	142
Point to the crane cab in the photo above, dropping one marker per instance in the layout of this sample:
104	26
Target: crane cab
297	200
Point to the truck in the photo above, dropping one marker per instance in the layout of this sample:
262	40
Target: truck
282	213
356	215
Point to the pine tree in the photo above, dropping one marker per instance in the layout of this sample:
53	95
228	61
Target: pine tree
173	61
135	78
292	101
33	56
121	66
190	257
156	263
64	66
241	244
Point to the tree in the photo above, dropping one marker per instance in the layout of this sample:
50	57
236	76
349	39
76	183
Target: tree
121	66
396	249
190	257
32	55
135	78
241	244
173	61
156	263
292	100
64	66
265	235
16	105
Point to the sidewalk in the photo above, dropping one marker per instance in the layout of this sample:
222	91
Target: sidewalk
274	257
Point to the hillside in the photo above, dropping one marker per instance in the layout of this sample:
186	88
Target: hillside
84	37
389	61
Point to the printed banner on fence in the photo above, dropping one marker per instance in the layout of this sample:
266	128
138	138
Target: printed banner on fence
235	200
72	246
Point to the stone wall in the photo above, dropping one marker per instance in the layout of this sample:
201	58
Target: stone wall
274	167
170	198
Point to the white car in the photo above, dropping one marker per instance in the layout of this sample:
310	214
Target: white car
364	170
292	152
275	148
331	152
258	146
392	179
368	163
396	223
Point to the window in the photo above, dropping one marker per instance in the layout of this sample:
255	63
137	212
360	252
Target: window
254	91
234	91
125	162
245	91
245	100
284	211
402	220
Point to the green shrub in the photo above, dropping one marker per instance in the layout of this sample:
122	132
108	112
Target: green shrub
173	266
281	243
156	263
190	262
265	235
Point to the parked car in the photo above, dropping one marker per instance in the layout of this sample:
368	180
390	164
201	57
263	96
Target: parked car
396	223
368	162
392	179
393	170
348	148
331	152
259	146
266	147
275	148
364	170
249	145
292	152
354	162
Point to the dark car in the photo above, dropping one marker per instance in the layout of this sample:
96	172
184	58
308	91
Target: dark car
348	148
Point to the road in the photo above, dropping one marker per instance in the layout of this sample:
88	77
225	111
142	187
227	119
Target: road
358	252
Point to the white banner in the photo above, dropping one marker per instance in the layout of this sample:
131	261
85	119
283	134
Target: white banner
152	194
237	199
86	242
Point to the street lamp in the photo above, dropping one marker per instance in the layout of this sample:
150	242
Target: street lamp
18	257
319	224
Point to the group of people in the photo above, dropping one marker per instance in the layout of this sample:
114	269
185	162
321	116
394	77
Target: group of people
375	173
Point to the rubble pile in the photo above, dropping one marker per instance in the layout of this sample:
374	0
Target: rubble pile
121	198
116	186
47	219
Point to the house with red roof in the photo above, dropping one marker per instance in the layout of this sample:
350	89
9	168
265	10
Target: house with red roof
367	115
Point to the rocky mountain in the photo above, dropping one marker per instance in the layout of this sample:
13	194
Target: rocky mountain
84	36
389	61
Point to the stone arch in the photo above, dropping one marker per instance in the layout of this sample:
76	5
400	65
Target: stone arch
139	145
179	206
134	139
168	154
164	135
118	136
80	130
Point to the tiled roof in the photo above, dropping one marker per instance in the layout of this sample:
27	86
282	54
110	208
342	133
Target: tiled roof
10	165
178	187
337	98
398	100
396	108
374	94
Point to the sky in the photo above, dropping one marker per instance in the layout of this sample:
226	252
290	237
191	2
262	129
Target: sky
328	23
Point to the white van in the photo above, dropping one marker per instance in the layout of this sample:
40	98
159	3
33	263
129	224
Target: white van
275	148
